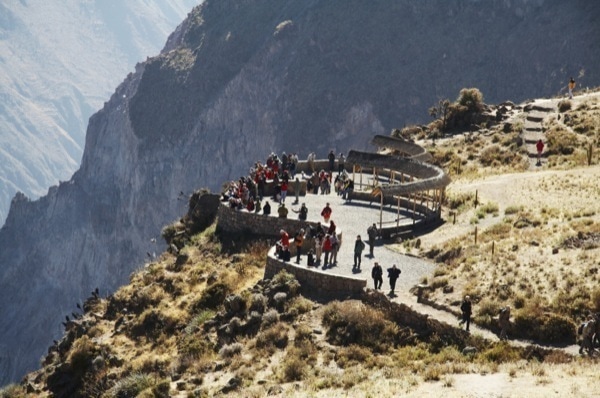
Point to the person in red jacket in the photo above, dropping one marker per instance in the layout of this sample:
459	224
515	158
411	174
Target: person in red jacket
326	213
285	238
327	246
540	148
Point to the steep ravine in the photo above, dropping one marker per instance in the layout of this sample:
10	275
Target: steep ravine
204	110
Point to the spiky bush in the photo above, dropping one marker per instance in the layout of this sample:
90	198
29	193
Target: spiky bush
354	323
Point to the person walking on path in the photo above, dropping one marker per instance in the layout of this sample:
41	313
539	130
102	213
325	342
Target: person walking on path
466	308
589	328
393	274
372	232
326	213
359	246
571	87
504	322
377	275
540	148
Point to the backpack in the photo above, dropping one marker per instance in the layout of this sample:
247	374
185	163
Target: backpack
580	328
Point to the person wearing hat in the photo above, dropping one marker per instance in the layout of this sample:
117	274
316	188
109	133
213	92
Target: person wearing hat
466	310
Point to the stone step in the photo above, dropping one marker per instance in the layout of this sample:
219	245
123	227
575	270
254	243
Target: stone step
532	118
540	108
532	140
537	129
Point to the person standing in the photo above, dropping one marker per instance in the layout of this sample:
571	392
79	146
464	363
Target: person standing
372	232
267	208
504	322
297	190
327	249
319	247
571	87
465	308
282	211
377	275
341	161
284	189
331	158
302	212
299	240
540	148
335	247
326	213
393	274
359	246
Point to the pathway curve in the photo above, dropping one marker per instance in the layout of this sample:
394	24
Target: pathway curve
353	219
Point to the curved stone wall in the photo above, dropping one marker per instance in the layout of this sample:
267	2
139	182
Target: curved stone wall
314	279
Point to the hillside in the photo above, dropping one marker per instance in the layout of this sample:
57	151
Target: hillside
240	79
59	62
202	322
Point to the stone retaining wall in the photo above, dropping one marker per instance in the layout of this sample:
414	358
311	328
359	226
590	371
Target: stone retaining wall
314	279
234	221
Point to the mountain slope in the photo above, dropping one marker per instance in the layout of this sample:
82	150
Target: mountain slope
239	79
58	62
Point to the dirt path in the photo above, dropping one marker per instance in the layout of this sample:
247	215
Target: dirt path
519	189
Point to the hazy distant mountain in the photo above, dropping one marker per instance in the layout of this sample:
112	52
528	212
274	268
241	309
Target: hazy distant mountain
59	60
241	78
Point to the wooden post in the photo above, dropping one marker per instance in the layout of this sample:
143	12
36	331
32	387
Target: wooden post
398	217
476	200
414	208
381	213
454	218
590	151
493	246
476	234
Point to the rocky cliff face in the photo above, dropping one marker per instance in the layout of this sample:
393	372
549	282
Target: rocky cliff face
58	62
239	79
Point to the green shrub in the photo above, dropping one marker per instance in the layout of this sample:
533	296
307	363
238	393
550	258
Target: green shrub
560	142
498	353
564	105
195	346
354	323
12	391
152	323
352	355
545	328
212	297
83	352
293	368
272	338
512	210
132	385
472	98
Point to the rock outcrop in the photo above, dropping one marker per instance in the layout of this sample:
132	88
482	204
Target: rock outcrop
241	78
